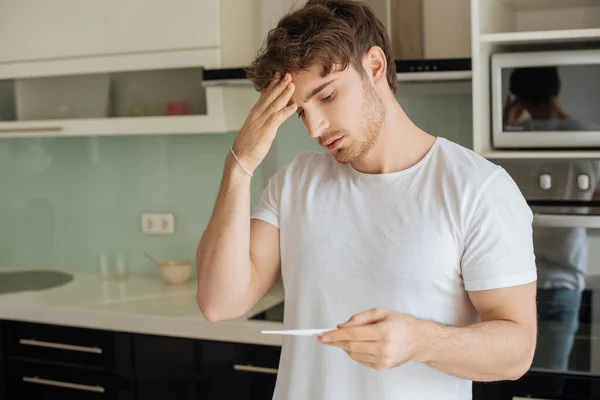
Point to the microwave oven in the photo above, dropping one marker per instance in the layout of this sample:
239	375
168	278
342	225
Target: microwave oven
546	100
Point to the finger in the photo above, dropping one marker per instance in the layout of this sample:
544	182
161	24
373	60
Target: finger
365	318
273	93
274	81
355	334
368	359
358	347
282	101
277	119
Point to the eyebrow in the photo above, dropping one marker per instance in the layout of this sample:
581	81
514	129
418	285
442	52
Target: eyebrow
318	89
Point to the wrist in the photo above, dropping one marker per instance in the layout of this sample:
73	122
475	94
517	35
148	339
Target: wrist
423	332
234	171
241	164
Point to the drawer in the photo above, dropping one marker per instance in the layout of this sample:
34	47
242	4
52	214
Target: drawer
88	347
30	380
257	358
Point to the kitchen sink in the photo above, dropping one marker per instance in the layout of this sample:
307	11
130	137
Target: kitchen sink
20	281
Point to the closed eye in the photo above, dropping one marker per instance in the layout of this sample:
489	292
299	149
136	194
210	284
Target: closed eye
328	98
324	99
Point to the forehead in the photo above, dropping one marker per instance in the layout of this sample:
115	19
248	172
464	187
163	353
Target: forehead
309	79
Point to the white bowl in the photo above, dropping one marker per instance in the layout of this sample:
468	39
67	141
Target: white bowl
175	272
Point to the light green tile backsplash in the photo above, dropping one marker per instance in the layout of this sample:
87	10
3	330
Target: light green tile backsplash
65	200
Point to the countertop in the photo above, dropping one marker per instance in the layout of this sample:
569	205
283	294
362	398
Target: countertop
138	304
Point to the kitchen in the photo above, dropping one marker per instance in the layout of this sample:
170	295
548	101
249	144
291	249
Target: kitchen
107	173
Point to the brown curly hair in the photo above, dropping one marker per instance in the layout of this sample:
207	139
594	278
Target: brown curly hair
323	32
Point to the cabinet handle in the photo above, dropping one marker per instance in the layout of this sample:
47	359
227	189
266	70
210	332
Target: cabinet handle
68	385
61	346
252	368
41	129
526	398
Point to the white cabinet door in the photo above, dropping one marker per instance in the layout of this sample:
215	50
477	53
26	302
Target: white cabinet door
426	28
447	28
42	29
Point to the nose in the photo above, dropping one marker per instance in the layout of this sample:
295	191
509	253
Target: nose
316	123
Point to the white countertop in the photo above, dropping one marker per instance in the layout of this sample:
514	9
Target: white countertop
137	304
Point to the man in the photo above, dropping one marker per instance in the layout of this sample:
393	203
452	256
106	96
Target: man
421	246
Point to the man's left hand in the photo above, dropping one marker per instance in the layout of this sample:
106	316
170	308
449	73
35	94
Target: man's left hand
377	338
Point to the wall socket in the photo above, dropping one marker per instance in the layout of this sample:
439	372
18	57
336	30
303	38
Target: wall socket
158	224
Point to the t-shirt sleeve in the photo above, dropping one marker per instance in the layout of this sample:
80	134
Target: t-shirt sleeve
498	248
267	208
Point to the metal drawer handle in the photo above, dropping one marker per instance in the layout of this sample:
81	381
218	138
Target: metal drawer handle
68	385
526	398
251	368
39	343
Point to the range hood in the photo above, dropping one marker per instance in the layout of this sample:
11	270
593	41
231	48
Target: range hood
432	70
430	39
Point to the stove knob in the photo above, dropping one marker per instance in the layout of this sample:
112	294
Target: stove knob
545	182
583	181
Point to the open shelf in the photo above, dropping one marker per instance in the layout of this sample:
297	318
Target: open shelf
566	35
112	127
530	5
537	20
133	102
520	154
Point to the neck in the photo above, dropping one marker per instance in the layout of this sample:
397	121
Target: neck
401	144
550	110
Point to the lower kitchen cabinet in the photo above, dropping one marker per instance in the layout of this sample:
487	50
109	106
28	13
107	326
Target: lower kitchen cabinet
184	369
43	361
542	386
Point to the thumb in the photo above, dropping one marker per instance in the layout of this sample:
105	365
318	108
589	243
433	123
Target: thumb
365	318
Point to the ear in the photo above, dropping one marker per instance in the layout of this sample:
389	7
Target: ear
375	65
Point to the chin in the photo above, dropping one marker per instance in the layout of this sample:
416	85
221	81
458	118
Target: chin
345	156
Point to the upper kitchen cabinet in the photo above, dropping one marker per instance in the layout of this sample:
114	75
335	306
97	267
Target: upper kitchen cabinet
69	68
43	30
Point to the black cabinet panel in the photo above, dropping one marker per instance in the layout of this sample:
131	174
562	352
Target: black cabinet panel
29	380
183	369
2	368
538	385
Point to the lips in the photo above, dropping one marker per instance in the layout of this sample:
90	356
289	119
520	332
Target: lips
334	144
331	141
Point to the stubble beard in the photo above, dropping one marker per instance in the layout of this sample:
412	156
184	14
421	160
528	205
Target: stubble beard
372	120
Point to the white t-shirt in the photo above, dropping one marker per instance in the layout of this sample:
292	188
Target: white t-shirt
412	241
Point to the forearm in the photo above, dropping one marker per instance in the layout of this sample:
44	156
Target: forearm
487	351
223	254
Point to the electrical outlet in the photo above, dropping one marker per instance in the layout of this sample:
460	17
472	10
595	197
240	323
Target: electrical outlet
158	224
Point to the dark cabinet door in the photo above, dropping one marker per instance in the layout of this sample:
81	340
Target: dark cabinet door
539	385
2	363
184	369
35	380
